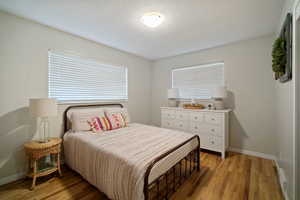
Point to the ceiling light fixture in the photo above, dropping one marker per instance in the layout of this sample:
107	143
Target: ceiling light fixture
152	19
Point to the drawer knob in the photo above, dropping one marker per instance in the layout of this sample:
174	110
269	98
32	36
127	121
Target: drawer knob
213	130
196	117
213	119
196	127
212	142
180	125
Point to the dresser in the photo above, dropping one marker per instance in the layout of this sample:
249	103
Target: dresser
212	126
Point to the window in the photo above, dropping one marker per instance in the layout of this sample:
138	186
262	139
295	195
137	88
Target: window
198	81
72	78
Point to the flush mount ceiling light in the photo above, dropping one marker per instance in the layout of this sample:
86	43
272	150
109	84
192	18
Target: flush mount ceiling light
152	19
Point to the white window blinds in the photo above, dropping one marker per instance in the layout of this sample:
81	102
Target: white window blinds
198	81
72	78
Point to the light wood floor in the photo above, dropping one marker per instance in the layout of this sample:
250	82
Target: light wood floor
239	177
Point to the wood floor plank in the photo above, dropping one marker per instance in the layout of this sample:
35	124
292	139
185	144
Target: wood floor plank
238	177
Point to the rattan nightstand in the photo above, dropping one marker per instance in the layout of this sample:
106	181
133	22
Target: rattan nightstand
36	150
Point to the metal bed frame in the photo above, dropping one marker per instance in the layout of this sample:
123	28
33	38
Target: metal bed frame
166	184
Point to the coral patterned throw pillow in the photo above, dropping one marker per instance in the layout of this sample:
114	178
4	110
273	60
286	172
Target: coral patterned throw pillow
116	120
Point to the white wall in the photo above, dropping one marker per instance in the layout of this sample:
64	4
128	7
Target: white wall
249	78
284	119
23	74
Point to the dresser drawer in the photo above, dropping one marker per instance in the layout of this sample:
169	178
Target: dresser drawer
181	125
210	125
169	114
215	143
204	141
181	115
213	118
196	127
209	142
167	123
214	130
197	117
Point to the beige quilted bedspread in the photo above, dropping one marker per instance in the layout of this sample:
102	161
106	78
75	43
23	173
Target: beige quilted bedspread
115	161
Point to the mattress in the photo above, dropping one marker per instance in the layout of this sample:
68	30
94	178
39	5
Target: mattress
116	161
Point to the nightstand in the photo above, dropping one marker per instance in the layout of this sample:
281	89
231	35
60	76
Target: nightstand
38	152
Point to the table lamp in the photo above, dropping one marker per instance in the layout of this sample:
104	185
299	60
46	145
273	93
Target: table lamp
219	93
172	96
43	108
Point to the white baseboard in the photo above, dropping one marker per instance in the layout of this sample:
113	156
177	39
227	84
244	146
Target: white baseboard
9	179
282	180
253	153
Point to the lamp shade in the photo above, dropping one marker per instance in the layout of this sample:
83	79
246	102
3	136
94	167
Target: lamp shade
219	92
43	107
173	93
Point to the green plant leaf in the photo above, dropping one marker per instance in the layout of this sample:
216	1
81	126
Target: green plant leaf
279	56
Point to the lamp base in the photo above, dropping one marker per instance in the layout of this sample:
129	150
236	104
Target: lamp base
44	130
172	103
219	104
43	141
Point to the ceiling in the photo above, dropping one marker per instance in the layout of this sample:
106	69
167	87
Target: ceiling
189	25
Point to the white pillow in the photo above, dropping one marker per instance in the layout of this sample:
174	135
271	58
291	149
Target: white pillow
123	111
79	119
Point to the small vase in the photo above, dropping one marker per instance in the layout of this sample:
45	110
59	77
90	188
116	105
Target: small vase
193	102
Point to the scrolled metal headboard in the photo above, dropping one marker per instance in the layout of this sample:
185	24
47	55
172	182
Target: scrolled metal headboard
84	106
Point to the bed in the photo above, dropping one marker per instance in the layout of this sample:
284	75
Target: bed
132	163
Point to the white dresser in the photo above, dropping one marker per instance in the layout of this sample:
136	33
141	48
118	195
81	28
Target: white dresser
211	125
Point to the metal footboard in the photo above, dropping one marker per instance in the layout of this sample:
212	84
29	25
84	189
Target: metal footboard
166	184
